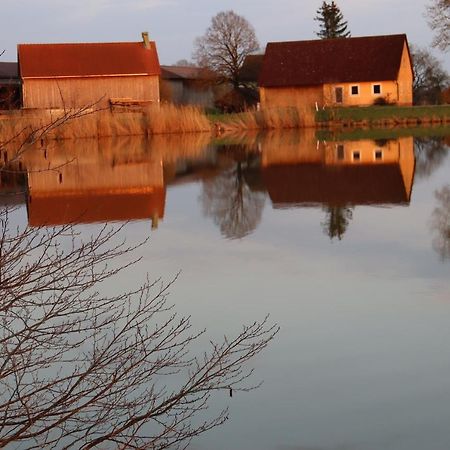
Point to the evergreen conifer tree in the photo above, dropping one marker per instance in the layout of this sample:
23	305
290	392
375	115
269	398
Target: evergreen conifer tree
331	22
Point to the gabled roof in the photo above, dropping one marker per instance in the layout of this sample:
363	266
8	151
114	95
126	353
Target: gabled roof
185	73
302	63
9	70
87	59
251	68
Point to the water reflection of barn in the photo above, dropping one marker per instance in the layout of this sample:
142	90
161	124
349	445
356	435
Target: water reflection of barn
305	172
95	181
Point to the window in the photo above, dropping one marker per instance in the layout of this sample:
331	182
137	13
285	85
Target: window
356	156
340	152
354	90
378	155
377	88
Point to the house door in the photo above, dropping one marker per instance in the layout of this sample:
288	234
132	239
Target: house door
339	93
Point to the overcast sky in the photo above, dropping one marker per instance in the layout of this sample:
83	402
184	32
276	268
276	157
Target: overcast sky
174	24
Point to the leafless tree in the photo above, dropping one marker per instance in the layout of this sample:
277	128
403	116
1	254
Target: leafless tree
225	44
430	78
81	368
231	202
429	154
438	15
441	223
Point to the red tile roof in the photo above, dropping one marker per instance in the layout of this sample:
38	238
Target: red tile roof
302	63
87	59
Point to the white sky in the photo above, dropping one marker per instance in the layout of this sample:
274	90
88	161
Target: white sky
174	24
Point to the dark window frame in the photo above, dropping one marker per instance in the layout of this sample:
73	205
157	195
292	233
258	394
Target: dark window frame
375	88
354	87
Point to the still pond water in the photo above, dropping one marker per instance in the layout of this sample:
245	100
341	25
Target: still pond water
344	242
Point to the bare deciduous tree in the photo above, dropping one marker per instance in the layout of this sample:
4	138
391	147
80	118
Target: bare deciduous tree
429	153
230	201
441	223
438	15
430	78
225	44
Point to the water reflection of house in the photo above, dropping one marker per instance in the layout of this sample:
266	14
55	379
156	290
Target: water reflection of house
80	74
351	71
305	172
95	181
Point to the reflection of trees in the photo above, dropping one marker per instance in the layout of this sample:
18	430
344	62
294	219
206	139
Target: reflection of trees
80	369
230	201
429	153
336	221
441	223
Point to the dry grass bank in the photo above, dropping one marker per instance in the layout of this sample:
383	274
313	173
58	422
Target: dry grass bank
87	123
268	119
145	121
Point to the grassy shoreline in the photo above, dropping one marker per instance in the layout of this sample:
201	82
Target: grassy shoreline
171	119
383	115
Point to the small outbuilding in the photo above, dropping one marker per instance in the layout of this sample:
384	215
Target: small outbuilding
9	85
337	72
188	85
80	74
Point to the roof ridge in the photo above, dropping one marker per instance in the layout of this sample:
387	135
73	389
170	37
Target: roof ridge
80	43
375	36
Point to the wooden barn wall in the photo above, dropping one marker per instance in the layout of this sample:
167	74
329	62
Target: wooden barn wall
187	92
78	92
291	96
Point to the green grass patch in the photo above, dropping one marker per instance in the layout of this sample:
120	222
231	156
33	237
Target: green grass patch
375	113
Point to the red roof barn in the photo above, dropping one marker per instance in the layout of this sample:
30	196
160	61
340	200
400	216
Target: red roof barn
80	74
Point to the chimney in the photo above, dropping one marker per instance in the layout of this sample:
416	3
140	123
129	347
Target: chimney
145	39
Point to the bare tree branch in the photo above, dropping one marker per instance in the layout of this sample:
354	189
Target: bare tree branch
438	15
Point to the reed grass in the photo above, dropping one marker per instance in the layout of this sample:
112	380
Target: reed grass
59	124
268	119
169	118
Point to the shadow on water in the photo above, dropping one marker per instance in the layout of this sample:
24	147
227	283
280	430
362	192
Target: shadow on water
125	179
